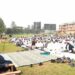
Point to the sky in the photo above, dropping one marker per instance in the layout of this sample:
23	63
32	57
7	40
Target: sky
25	12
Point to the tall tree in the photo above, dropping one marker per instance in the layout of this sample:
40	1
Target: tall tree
2	26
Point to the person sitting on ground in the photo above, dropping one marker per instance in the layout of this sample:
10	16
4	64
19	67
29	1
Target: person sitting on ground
39	44
4	65
69	47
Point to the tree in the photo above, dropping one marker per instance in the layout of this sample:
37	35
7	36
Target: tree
16	29
9	31
2	26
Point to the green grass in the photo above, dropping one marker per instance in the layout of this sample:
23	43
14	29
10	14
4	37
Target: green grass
48	69
9	47
22	35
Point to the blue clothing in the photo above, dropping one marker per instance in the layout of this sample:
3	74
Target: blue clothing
3	63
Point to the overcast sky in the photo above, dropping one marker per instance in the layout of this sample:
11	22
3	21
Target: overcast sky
25	12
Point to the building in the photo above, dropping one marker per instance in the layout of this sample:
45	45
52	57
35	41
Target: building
37	27
49	27
67	29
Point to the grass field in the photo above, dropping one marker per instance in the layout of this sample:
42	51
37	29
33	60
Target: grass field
47	68
22	35
8	47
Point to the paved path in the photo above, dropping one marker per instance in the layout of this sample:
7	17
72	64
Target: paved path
33	57
27	57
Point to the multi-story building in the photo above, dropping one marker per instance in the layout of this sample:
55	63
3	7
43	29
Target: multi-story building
49	27
67	29
37	27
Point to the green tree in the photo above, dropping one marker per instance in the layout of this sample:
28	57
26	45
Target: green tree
9	31
2	26
16	29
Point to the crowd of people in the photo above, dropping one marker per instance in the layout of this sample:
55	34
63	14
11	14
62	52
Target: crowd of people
46	43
